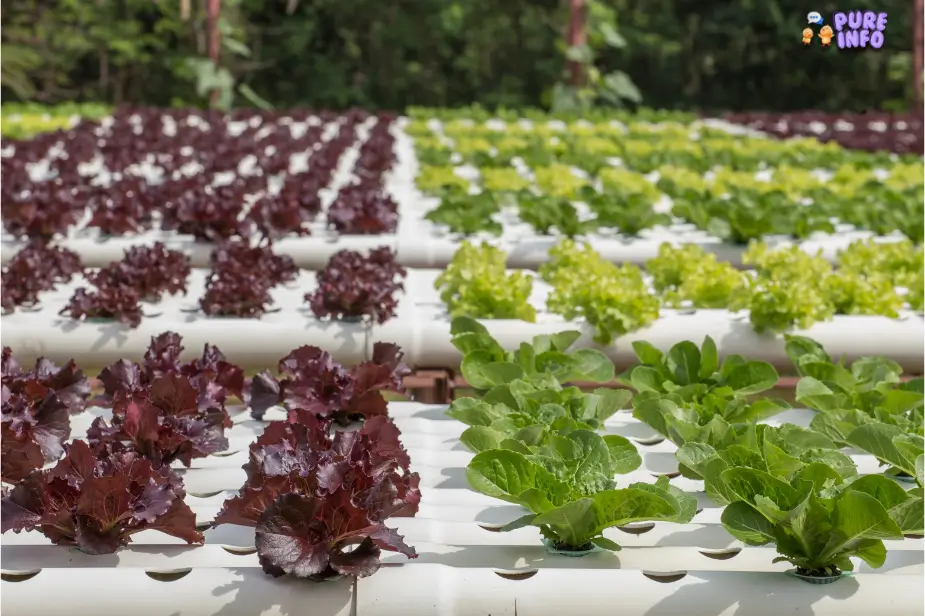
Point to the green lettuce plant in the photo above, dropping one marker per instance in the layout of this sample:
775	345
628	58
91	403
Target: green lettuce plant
476	283
779	451
547	361
817	520
568	488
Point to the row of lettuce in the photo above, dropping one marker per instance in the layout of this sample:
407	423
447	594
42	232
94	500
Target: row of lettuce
712	183
240	283
788	287
21	121
538	443
307	488
543	445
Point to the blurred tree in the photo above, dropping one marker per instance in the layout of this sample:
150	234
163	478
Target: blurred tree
689	54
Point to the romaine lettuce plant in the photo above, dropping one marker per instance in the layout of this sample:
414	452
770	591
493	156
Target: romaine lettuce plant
547	361
312	496
568	488
779	451
691	372
817	520
467	214
312	380
97	504
531	415
545	213
870	384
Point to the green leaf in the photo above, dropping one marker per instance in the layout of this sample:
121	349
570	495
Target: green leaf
752	377
500	373
858	516
800	349
556	342
470	342
606	544
684	362
648	354
511	477
747	525
592	365
481	438
880	440
709	358
623	455
645	378
475	412
521	522
814	394
750	483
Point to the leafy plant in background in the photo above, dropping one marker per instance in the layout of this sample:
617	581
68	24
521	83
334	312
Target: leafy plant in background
613	299
688	275
475	283
591	85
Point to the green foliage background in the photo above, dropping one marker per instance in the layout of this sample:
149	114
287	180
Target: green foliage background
687	54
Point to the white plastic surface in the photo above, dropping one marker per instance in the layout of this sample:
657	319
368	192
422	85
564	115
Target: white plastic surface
463	568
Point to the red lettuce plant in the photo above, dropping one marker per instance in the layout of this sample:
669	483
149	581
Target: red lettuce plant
363	210
68	382
163	422
277	216
154	270
352	286
311	495
48	209
312	380
214	378
107	301
36	268
241	278
97	504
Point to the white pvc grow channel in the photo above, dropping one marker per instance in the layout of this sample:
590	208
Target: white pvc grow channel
251	342
463	569
421	327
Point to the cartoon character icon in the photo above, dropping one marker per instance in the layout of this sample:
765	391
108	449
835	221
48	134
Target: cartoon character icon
807	36
825	35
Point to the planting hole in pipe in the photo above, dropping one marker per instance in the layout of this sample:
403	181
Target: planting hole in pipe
492	528
650	440
8	575
203	526
721	554
167	575
665	577
637	528
913	536
225	454
205	494
239	550
670	475
516	574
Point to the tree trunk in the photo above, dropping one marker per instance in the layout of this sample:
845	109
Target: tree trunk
576	36
212	12
917	60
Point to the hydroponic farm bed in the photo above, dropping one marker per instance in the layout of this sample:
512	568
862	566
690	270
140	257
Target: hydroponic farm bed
236	452
192	179
313	183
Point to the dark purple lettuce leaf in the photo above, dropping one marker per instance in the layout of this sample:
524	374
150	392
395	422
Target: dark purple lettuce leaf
306	537
96	503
